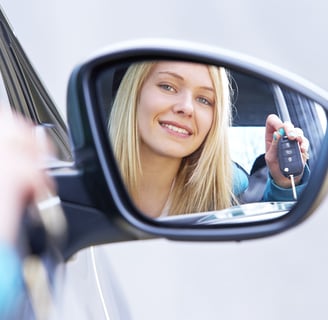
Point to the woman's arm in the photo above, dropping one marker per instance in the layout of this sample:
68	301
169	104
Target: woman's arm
22	181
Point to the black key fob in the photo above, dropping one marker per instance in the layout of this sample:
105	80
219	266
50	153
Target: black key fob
290	158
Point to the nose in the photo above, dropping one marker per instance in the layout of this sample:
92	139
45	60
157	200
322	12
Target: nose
184	104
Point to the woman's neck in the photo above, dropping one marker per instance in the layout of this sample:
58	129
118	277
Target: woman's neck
158	174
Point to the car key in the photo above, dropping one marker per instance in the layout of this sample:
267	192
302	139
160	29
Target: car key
290	160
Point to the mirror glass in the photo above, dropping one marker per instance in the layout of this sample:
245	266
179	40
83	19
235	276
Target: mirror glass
200	144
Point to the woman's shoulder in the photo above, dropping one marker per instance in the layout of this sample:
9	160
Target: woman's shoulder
240	179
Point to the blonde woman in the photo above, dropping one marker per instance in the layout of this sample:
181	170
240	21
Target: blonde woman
169	129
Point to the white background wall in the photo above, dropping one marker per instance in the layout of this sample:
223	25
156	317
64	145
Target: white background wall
283	277
58	34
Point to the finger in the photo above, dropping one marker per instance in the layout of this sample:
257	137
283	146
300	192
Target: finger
299	135
302	140
288	130
305	144
276	137
304	147
273	123
299	132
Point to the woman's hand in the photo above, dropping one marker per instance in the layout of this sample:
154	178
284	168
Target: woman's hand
275	129
22	181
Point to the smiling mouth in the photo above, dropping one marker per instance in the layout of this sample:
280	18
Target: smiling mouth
175	128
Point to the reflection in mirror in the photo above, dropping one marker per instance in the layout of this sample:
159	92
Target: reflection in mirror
198	144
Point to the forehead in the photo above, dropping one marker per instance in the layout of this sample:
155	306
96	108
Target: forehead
185	71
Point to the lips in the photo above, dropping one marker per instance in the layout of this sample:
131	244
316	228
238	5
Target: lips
178	128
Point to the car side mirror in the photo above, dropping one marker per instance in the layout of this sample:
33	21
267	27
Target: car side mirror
101	108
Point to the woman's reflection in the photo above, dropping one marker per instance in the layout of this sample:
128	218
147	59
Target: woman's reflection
169	131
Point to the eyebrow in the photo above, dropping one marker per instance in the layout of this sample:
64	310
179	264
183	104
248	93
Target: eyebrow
181	78
172	74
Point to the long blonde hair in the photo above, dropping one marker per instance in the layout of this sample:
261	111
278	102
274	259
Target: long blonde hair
204	181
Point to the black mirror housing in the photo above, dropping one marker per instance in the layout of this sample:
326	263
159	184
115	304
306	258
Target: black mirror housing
95	160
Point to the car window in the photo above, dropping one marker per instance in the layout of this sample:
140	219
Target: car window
322	117
4	101
253	101
246	138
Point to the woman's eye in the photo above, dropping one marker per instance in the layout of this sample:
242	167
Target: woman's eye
167	87
204	101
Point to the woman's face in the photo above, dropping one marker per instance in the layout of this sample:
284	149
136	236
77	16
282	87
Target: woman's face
175	109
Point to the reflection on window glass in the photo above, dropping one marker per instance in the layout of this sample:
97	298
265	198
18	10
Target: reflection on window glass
322	117
246	144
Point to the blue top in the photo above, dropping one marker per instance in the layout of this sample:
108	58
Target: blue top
240	180
11	281
272	191
275	193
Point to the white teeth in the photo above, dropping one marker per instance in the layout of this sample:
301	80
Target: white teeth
175	129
